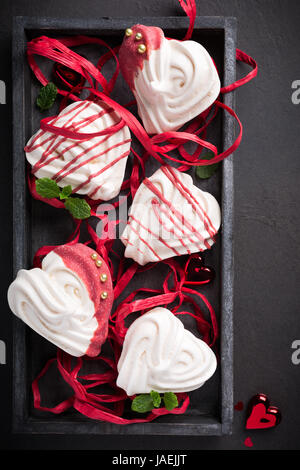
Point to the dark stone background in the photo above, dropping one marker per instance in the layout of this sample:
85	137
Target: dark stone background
266	218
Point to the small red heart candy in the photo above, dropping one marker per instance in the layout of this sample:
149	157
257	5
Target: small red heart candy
196	273
66	78
260	414
239	406
248	442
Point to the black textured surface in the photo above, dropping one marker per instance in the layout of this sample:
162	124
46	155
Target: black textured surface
266	219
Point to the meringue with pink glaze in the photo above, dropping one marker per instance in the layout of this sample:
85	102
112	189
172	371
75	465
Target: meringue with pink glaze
173	81
68	301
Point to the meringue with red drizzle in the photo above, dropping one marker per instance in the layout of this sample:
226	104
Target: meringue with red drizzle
173	81
68	301
93	167
169	217
160	354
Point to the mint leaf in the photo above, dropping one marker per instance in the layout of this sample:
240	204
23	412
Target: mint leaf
46	96
156	398
65	192
170	400
142	403
147	401
206	171
47	188
79	208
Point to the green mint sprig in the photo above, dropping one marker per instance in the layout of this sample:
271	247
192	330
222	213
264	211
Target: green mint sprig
147	401
206	171
49	189
156	398
170	400
47	96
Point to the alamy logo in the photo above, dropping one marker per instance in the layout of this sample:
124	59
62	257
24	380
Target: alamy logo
296	94
2	352
296	354
2	92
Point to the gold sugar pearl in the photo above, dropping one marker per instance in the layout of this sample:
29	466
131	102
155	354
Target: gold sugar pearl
98	263
94	256
128	32
138	36
103	277
104	295
142	48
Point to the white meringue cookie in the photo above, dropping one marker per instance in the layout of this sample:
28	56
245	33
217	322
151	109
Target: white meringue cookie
169	217
160	354
94	167
55	302
176	82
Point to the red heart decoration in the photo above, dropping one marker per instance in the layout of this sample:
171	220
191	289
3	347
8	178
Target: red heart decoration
260	414
248	442
66	78
196	273
239	406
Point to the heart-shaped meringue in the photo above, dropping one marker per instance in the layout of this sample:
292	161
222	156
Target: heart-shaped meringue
94	167
68	301
169	217
172	81
160	354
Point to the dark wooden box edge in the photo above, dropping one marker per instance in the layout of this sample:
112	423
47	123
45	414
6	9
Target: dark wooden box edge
22	423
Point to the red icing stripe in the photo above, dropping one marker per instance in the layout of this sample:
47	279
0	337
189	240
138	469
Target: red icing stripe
171	175
109	165
154	189
155	203
59	177
146	243
175	223
131	244
152	233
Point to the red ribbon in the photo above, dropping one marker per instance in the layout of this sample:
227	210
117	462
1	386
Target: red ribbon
189	7
246	59
69	134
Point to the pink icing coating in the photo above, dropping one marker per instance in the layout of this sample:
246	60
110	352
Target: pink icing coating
129	57
78	258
